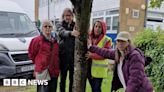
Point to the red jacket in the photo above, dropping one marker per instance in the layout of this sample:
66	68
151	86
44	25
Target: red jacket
42	55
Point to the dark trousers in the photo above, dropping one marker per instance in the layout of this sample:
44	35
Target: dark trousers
51	87
95	84
63	76
90	79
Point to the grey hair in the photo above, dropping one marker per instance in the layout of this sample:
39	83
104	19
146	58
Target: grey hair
67	10
46	21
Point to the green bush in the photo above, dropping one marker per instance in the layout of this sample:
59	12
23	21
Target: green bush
152	44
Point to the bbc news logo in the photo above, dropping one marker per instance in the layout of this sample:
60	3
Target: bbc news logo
23	82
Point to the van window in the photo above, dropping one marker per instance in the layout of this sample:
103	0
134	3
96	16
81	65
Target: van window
15	23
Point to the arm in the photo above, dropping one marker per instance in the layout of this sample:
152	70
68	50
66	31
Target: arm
61	31
136	71
98	57
104	52
33	49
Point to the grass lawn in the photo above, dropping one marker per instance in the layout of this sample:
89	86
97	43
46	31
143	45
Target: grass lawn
106	86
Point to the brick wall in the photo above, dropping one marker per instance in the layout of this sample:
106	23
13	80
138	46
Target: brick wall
128	22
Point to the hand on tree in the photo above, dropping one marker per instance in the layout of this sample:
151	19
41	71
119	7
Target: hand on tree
88	55
75	33
89	42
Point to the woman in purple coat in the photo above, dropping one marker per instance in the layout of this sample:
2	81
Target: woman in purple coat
129	70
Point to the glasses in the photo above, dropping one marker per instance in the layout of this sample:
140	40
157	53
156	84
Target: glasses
67	15
47	26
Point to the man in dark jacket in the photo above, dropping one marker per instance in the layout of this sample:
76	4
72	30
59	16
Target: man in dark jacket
67	33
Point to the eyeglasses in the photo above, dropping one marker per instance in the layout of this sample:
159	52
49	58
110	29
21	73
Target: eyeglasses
67	15
47	26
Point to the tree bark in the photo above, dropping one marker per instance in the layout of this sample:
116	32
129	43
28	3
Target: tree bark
82	9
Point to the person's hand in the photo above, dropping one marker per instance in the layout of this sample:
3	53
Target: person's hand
88	55
75	33
89	43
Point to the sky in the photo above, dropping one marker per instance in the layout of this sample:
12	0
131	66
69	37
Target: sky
28	6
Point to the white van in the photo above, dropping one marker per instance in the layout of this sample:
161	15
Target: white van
16	32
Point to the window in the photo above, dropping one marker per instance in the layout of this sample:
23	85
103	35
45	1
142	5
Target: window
96	19
94	14
108	22
15	23
98	13
135	13
155	20
114	12
109	12
115	23
101	13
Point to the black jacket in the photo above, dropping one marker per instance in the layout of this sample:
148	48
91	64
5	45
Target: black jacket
66	44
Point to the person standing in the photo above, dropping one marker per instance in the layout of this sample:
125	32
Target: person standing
43	51
98	65
67	33
129	70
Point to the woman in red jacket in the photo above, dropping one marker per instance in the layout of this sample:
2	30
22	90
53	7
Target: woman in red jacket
43	51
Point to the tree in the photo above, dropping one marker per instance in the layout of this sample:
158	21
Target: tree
82	9
155	3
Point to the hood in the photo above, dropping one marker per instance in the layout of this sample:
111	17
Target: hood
104	29
15	44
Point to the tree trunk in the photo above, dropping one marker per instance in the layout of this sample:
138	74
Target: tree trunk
82	10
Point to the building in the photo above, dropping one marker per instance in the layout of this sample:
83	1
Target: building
107	10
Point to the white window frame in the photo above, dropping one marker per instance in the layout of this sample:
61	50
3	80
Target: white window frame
111	30
135	13
110	22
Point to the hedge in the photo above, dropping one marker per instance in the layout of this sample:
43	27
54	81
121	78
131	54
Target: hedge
152	44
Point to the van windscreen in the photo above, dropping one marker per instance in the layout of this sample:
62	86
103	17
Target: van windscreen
15	23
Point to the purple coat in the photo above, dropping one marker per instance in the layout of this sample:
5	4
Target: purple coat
133	69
